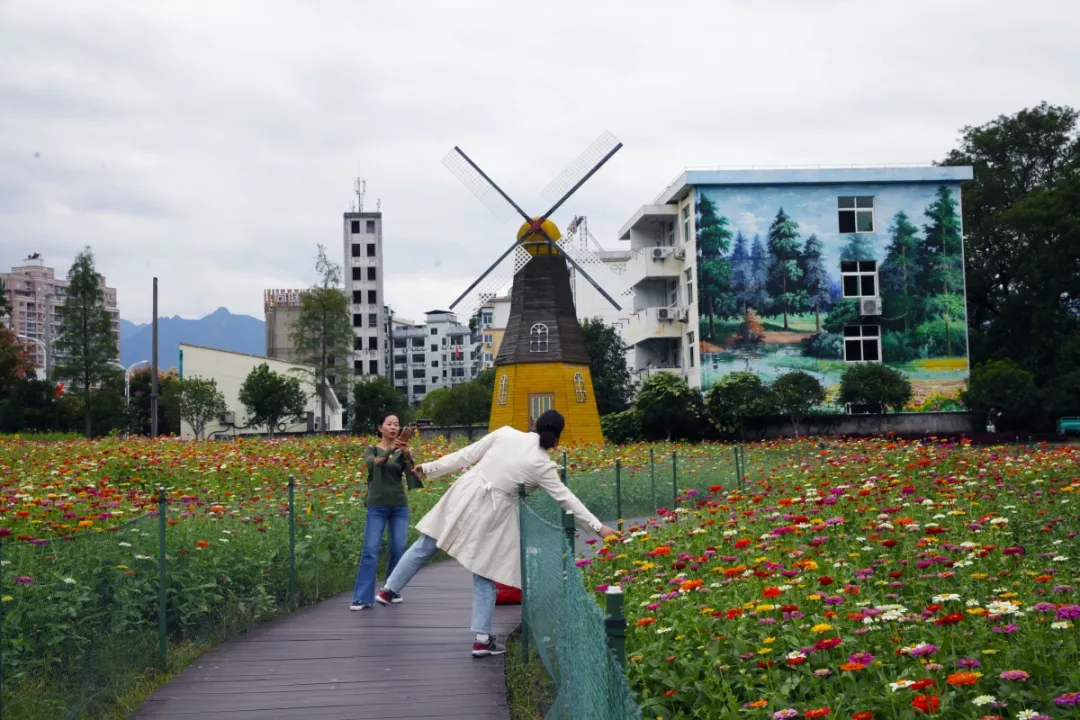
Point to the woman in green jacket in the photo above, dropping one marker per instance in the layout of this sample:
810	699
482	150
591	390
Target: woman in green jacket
389	468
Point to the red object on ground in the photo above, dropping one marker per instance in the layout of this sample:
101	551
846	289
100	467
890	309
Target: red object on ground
506	595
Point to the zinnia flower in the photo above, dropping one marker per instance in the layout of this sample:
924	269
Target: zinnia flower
817	712
1014	675
926	704
963	678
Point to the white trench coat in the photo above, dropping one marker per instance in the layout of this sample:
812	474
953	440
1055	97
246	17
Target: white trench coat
476	521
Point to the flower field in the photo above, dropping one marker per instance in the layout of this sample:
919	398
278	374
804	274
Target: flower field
864	580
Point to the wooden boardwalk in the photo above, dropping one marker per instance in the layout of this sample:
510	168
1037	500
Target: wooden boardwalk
326	663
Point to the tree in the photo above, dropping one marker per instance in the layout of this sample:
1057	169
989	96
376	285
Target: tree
5	306
751	330
815	278
669	407
435	406
860	246
1004	385
322	332
487	379
788	294
738	399
742	273
875	386
271	397
140	387
757	290
31	405
372	396
622	427
611	381
200	402
899	272
14	361
714	269
470	405
796	394
86	340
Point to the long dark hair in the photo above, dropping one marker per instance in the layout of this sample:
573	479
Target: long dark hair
382	419
549	427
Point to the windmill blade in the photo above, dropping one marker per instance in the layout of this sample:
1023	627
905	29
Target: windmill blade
601	271
584	274
485	274
575	175
483	187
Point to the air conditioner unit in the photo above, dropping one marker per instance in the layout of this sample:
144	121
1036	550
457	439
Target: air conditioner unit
680	254
228	419
682	314
666	313
870	306
659	253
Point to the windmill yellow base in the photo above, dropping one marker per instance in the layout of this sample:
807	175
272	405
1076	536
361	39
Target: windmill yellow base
524	390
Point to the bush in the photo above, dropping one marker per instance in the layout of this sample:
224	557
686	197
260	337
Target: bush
669	408
844	312
875	386
824	345
796	394
739	399
1004	385
622	427
940	340
898	347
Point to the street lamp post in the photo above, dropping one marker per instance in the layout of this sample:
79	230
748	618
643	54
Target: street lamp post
44	350
127	380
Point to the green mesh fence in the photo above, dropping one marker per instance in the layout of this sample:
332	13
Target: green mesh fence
566	625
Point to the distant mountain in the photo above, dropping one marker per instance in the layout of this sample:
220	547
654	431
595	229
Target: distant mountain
220	330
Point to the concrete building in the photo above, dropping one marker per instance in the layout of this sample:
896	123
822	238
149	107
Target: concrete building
439	353
364	282
491	324
230	369
811	269
34	293
281	308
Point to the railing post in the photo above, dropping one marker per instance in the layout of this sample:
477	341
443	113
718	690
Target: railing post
1	633
569	530
565	479
652	478
674	479
163	628
618	493
524	576
292	543
615	624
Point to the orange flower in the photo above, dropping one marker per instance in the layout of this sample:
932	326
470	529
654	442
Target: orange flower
757	704
852	667
864	715
202	544
737	570
963	678
645	621
691	584
669	693
926	704
817	713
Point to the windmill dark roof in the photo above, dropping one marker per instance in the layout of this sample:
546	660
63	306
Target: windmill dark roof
542	295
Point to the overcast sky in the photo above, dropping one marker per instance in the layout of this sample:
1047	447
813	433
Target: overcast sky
215	144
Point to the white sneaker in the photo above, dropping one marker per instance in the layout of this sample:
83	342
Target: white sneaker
359	606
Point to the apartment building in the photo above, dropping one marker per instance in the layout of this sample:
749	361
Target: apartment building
440	352
364	283
281	308
35	293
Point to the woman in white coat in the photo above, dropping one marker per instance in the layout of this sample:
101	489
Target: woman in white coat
476	521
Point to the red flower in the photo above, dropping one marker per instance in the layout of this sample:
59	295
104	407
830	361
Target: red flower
896	574
740	544
817	713
950	619
926	704
771	592
788	608
827	643
669	693
889	543
796	660
864	715
923	684
826	580
933	608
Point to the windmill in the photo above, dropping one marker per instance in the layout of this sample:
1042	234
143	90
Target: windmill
542	362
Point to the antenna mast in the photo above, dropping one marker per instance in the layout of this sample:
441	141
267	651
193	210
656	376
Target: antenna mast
361	190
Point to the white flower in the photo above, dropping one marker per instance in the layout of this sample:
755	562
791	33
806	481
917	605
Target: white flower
946	598
125	544
999	521
900	684
1026	715
795	655
661	631
69	581
1002	607
143	557
1061	625
1060	558
984	700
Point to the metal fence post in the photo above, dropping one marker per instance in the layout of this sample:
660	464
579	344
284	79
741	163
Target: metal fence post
1	634
674	479
292	542
163	629
652	479
565	479
618	493
738	470
524	576
568	528
615	624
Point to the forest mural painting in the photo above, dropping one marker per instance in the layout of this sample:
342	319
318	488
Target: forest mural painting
771	292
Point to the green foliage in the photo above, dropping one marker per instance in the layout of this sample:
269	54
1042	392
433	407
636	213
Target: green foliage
875	386
860	246
622	427
200	402
86	334
14	361
739	399
372	396
845	311
785	275
469	404
5	306
824	345
487	379
141	382
30	405
713	269
896	346
271	397
815	277
607	365
1004	385
669	407
322	332
899	272
431	407
796	394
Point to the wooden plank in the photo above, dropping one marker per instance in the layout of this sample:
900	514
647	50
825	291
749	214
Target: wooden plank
324	662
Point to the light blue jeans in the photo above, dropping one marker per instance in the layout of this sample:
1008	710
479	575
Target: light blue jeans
483	592
378	518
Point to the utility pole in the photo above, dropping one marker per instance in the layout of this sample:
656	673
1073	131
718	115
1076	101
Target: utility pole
48	335
154	372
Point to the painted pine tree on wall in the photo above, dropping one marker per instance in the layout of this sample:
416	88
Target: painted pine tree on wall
785	276
714	268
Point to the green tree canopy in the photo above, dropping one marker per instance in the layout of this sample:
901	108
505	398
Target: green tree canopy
1004	385
796	394
815	278
738	399
713	268
607	365
785	284
669	407
875	386
271	397
87	344
200	402
372	396
5	306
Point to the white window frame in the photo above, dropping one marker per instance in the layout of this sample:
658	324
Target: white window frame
579	388
504	387
686	223
488	339
863	337
538	338
860	272
857	211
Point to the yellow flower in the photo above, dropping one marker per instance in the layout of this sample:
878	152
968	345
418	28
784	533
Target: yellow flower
978	576
764	651
820	628
7	598
610	539
989	652
769	640
815	596
764	608
679	637
706	610
121	567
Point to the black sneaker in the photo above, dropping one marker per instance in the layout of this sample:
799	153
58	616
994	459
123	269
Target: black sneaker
482	650
396	599
359	606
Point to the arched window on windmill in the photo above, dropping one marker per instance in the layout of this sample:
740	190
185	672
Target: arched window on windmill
538	338
579	388
504	386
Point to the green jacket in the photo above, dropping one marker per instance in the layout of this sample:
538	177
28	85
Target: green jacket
385	486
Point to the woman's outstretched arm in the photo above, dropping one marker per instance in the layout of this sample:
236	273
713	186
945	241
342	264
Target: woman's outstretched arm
468	455
550	482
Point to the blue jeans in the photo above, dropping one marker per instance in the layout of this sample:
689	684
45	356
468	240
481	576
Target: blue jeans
397	517
483	592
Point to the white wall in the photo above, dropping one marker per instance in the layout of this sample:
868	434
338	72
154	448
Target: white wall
230	370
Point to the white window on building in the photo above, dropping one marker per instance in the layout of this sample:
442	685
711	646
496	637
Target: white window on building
488	339
486	318
856	213
504	386
862	343
686	223
579	388
689	273
488	357
859	278
538	338
690	347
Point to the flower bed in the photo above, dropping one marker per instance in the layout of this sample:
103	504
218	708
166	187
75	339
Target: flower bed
872	580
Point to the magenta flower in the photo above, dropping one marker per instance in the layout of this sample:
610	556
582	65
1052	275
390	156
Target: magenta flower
23	580
1019	675
1068	699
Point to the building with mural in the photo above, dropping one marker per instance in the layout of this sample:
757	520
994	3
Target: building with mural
770	271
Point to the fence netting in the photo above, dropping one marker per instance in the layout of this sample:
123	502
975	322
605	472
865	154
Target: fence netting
567	626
